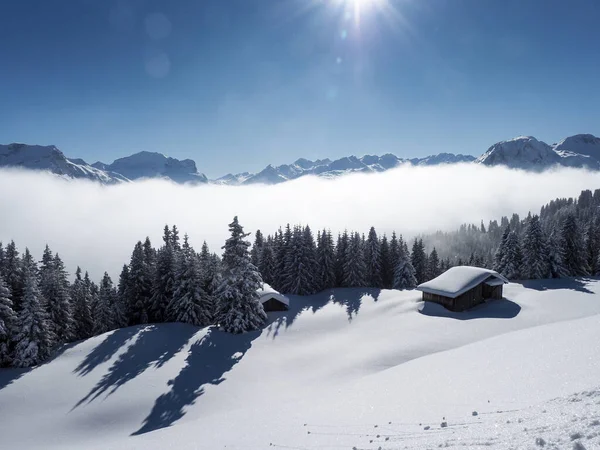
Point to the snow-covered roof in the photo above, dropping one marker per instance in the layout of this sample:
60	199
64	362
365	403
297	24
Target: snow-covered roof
458	280
267	293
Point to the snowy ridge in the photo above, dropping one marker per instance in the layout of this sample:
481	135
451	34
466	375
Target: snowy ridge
527	153
347	368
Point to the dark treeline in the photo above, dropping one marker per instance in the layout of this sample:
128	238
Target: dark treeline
40	309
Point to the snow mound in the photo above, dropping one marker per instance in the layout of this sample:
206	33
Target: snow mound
345	368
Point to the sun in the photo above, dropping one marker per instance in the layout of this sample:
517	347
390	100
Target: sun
360	7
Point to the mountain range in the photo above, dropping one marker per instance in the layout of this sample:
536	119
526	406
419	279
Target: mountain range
524	152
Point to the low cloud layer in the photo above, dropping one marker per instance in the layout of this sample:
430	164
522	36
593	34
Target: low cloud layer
96	226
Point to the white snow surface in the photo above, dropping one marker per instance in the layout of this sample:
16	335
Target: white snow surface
458	280
344	369
267	292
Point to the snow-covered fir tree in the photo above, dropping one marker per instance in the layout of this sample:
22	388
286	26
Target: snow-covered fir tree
592	241
104	311
267	264
82	314
299	278
387	270
535	256
513	257
257	248
404	274
55	288
395	250
190	303
573	247
433	265
419	261
33	338
501	251
164	279
326	261
139	287
13	273
354	267
239	308
120	312
555	259
374	276
343	241
210	264
8	325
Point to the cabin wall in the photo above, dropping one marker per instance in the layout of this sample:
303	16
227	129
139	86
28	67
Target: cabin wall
274	305
493	292
469	299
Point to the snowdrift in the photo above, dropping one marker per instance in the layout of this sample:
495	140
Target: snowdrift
346	368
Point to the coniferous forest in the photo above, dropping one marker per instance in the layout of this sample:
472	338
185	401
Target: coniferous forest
41	309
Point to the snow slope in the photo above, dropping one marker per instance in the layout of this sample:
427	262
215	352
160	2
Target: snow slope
348	368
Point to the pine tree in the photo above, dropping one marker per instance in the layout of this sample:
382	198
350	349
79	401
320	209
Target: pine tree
164	280
387	269
300	263
354	268
326	261
593	246
55	288
210	265
535	256
190	303
257	248
404	274
120	312
239	308
433	264
139	288
513	257
33	338
268	264
82	315
104	319
175	239
343	242
395	250
573	248
501	251
373	260
13	274
419	261
8	325
555	260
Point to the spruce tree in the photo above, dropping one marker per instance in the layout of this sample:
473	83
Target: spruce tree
387	269
164	280
104	319
139	287
82	314
300	263
239	308
13	274
555	260
33	338
8	325
419	261
535	256
373	260
257	248
404	274
120	311
513	257
395	249
573	248
326	261
55	288
593	246
343	242
190	303
354	267
268	264
433	264
500	251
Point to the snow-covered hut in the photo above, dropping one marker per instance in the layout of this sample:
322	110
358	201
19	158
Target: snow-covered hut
273	300
463	287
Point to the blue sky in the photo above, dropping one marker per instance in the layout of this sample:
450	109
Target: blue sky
239	84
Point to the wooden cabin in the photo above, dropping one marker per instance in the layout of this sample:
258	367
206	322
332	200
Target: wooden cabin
273	300
463	287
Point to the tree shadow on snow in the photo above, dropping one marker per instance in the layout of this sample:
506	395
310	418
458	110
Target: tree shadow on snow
153	345
105	350
494	309
208	360
9	376
350	298
574	284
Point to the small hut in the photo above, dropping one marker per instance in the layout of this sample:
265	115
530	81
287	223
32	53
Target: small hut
463	287
273	300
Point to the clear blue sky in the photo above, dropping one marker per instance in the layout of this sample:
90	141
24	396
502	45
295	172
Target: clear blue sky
238	84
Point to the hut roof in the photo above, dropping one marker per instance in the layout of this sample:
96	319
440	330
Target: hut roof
267	293
458	280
